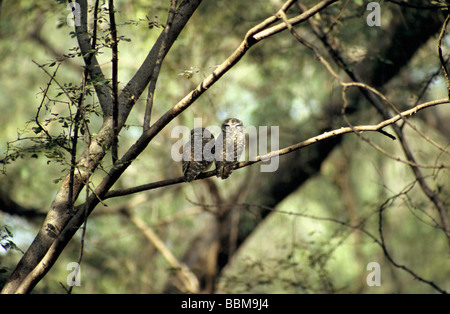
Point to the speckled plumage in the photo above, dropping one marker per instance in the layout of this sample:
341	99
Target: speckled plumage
233	144
198	153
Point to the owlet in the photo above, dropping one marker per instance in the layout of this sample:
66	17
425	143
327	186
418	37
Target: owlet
198	153
230	145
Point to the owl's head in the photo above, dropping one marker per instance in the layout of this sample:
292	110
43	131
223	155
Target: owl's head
232	125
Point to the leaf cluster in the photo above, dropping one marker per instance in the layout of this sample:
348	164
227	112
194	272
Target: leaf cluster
6	240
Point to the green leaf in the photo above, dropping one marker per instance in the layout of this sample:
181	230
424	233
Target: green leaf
37	129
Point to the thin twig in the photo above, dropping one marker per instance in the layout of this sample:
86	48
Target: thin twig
36	118
432	196
41	255
419	6
358	226
441	58
382	243
94	31
83	236
73	150
71	100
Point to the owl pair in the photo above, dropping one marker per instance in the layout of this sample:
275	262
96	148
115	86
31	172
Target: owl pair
202	149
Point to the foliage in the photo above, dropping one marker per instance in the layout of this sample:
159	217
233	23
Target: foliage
6	241
7	244
359	204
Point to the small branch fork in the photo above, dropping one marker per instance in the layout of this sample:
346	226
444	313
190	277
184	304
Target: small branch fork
128	98
370	94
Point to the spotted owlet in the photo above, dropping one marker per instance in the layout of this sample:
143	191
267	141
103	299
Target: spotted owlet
198	153
230	145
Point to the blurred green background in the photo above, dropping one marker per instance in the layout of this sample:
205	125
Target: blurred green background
278	83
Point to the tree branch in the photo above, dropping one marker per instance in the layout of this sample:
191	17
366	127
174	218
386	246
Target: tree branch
360	226
184	274
115	81
7	205
432	196
59	227
287	150
382	243
441	58
91	62
158	63
182	105
419	6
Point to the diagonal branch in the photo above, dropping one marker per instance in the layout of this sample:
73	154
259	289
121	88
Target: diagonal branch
59	226
251	38
135	87
382	244
158	63
184	274
289	149
441	58
419	6
91	62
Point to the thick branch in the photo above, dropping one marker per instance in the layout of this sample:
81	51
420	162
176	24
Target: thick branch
49	242
134	88
11	207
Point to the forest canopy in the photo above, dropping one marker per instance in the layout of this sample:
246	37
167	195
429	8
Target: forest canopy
342	186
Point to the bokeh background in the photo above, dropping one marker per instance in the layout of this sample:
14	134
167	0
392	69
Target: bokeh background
283	232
